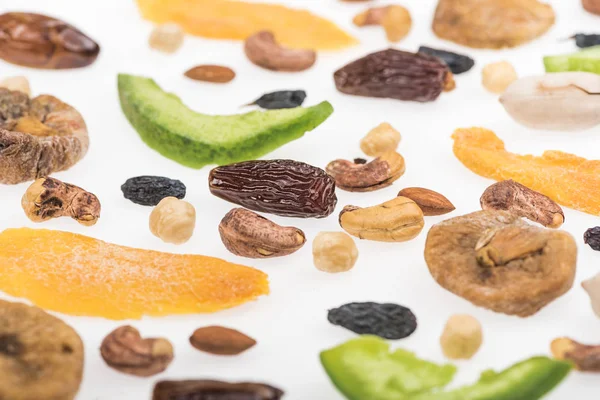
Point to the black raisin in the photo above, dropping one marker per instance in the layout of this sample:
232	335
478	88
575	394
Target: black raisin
457	63
387	320
150	190
583	40
360	161
281	99
592	238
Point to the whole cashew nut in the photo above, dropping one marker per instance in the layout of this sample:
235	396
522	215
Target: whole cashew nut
262	49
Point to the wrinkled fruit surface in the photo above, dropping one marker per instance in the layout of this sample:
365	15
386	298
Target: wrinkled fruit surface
387	320
591	237
41	357
79	275
214	390
150	190
458	63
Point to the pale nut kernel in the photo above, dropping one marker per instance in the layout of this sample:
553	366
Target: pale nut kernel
19	83
173	220
496	77
334	252
381	139
167	38
592	288
462	337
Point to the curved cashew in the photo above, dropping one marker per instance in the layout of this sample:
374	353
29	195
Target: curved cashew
357	177
262	49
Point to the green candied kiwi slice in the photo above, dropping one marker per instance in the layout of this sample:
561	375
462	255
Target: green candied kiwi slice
165	124
587	60
364	368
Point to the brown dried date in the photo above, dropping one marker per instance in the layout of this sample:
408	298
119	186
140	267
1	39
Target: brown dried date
39	41
395	74
282	187
214	390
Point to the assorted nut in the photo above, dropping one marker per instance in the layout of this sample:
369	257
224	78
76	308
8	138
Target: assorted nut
167	38
430	202
334	252
462	337
377	174
395	20
380	140
211	73
592	288
173	220
18	83
584	357
221	341
497	77
263	50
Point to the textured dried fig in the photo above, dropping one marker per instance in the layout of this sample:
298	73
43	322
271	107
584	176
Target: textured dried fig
358	177
221	341
263	50
214	390
430	202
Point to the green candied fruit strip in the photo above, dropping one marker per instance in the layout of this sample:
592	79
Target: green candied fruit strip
587	60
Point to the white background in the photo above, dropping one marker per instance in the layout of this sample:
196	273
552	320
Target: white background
290	324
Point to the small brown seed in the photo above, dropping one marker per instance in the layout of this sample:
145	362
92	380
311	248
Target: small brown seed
211	73
430	202
221	341
379	173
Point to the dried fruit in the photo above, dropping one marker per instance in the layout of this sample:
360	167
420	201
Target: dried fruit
592	288
395	74
280	99
458	63
124	350
591	237
496	77
79	275
378	174
195	139
211	73
38	136
592	6
587	60
563	101
430	202
380	140
41	357
386	320
397	220
583	40
39	41
492	24
334	252
282	187
462	337
49	198
483	152
221	341
236	20
395	20
19	83
248	234
584	357
173	220
214	390
150	190
497	261
167	38
263	50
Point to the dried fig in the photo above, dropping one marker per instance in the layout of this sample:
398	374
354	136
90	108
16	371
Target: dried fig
359	177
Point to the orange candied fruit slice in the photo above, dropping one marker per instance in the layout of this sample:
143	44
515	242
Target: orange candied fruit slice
80	275
566	178
236	20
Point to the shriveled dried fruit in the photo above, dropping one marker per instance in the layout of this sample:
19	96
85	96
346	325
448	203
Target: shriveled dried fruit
380	140
281	99
498	76
150	190
592	288
378	174
214	390
395	20
334	252
263	50
583	40
512	196
38	136
41	357
282	187
397	220
124	350
49	198
395	74
248	234
19	83
592	6
430	202
221	341
211	73
492	24
173	220
584	357
458	63
387	320
39	41
591	237
462	337
167	38
497	261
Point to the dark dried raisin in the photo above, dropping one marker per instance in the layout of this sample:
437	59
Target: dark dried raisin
592	238
214	390
389	321
457	63
281	99
150	190
583	40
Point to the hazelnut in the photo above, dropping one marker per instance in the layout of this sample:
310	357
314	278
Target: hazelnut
334	252
496	77
173	220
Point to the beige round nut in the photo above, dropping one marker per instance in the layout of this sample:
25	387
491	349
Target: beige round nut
496	77
462	337
19	83
167	38
173	220
381	139
334	252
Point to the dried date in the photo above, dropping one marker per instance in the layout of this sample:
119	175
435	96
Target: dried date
591	237
281	99
214	390
395	74
150	190
282	187
457	63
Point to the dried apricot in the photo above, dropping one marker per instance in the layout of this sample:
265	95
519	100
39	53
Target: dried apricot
566	178
80	275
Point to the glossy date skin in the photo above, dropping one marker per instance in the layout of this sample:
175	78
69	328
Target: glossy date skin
39	41
214	390
282	187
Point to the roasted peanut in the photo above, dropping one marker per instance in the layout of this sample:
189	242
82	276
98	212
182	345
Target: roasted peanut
377	174
173	220
262	49
334	252
380	140
496	77
462	337
167	38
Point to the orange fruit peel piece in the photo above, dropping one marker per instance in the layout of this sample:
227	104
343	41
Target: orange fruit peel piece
237	20
569	180
79	275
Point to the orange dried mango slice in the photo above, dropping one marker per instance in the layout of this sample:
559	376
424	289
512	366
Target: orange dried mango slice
80	275
566	178
236	20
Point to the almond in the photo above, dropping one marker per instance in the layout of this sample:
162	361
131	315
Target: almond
211	73
430	202
221	341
